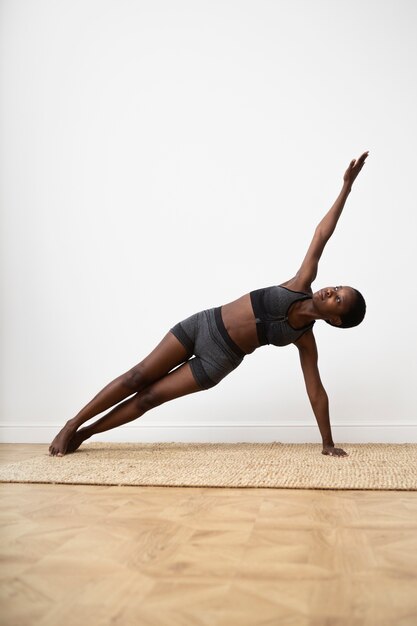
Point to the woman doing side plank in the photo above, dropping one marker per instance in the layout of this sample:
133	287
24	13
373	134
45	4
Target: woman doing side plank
200	351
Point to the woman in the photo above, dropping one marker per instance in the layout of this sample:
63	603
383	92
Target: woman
220	338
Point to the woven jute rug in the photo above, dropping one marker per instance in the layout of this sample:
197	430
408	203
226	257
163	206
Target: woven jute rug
277	465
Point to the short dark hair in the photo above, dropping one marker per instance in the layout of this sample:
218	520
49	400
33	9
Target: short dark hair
355	314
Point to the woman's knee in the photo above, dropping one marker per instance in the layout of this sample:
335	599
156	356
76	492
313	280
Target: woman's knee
178	383
136	379
148	399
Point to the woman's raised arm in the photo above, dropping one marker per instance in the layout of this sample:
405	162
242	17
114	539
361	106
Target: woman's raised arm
308	270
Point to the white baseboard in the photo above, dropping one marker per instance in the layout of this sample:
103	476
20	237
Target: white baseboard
209	433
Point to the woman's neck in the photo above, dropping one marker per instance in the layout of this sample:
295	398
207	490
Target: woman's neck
302	313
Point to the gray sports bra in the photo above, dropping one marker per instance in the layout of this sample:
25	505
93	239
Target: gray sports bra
271	306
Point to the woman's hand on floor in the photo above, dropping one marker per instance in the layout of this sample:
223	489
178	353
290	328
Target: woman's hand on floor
332	451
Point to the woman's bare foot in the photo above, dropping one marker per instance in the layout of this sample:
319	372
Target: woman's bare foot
60	444
77	439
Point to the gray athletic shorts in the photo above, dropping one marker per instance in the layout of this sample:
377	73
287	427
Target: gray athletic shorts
216	354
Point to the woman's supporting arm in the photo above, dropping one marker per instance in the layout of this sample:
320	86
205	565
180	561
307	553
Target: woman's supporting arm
317	394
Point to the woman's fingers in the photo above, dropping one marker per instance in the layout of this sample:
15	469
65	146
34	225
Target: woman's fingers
335	452
361	159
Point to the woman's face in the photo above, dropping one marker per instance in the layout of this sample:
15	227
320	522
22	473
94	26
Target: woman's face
332	302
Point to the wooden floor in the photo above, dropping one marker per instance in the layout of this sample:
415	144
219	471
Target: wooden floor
215	557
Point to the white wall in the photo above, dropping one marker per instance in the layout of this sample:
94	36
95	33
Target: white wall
161	157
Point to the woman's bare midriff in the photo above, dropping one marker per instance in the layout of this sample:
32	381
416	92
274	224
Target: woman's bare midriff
239	320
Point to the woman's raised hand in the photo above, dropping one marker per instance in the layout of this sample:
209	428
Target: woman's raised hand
354	168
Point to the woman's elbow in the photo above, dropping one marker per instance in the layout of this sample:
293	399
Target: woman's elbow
318	396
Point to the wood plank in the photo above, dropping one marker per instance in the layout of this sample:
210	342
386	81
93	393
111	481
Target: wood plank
164	556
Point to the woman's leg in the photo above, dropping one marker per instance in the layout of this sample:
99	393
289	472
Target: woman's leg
174	385
168	354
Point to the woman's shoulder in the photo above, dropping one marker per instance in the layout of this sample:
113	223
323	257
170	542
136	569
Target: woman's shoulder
296	284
